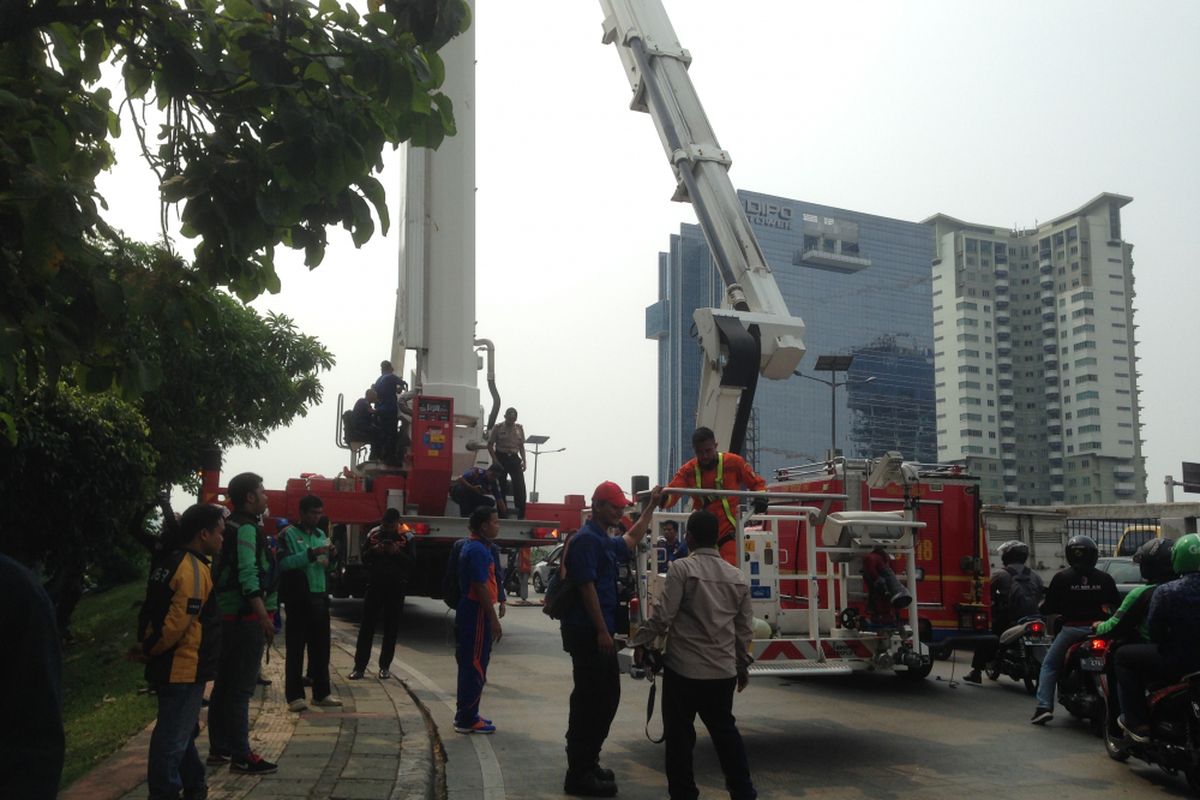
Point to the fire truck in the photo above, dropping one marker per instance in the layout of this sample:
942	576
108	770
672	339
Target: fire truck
951	566
354	503
804	559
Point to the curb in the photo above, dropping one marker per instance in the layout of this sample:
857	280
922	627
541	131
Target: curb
421	774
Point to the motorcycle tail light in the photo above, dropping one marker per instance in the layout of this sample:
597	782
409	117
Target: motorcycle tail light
1037	629
1098	645
420	528
981	622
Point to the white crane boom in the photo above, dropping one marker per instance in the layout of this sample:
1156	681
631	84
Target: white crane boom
754	332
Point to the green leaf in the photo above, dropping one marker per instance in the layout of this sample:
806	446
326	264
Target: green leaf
328	7
314	254
316	71
374	192
271	282
241	10
10	428
363	227
173	189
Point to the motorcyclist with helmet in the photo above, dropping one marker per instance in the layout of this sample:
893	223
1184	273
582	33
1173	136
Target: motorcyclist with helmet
1016	592
1080	595
1173	623
1128	623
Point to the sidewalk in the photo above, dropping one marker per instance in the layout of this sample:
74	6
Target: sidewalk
379	746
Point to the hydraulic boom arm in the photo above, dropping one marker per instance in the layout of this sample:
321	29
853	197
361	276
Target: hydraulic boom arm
753	332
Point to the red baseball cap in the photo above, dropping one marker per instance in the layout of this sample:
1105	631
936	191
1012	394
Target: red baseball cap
612	494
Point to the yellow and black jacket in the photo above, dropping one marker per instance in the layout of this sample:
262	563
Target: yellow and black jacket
179	625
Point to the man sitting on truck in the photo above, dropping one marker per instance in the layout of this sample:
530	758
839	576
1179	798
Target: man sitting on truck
359	425
711	469
479	487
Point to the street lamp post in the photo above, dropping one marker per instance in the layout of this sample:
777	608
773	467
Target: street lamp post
537	440
833	365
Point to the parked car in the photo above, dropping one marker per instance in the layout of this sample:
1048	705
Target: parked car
544	568
1126	573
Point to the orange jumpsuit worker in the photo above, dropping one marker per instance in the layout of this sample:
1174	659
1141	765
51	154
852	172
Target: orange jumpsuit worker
711	469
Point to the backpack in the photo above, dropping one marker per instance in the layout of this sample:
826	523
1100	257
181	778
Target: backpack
1024	593
561	592
451	590
268	578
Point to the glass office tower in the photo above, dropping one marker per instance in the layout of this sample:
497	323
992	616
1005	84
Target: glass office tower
861	283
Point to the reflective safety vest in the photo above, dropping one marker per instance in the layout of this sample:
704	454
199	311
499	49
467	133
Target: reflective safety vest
718	485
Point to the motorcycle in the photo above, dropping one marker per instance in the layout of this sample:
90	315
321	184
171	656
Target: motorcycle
1080	678
1022	649
1174	724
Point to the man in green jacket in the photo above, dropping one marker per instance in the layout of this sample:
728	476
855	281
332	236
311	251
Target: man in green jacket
304	557
246	599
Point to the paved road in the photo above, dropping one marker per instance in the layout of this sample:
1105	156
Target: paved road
862	736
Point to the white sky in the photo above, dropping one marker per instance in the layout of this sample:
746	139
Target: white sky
1001	113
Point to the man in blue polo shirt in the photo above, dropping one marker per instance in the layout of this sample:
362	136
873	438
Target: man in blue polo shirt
388	386
591	560
476	618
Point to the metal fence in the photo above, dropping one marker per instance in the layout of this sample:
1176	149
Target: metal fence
1105	532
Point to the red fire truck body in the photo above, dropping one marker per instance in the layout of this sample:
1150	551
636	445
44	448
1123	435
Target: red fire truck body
354	502
951	566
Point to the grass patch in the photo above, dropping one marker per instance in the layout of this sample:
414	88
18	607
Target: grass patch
101	706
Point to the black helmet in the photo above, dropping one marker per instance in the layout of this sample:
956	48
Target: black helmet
1013	552
1082	552
1154	559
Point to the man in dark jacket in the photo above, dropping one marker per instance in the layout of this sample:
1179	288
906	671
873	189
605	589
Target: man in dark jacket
1081	595
1173	623
31	738
389	553
1017	592
179	631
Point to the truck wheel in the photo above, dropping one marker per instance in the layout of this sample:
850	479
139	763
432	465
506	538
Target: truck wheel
918	674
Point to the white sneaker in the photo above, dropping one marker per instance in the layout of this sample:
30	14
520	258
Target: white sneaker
328	701
299	704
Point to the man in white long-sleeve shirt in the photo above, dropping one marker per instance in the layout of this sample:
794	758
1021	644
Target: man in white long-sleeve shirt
706	615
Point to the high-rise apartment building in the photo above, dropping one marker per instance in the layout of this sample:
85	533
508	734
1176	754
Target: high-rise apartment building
861	283
1034	363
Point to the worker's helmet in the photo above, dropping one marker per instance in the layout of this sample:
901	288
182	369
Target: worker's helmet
1154	559
1013	551
1185	555
1082	552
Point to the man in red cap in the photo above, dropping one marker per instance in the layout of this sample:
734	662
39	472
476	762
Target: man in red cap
591	558
712	469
